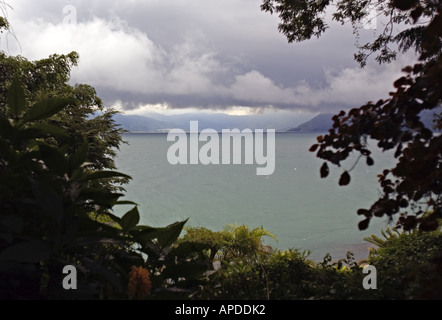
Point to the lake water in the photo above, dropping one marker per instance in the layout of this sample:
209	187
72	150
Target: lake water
294	203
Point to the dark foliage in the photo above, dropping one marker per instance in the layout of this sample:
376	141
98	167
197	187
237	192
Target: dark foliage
411	190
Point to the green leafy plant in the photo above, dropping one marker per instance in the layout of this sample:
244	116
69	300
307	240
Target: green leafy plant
84	119
54	211
408	264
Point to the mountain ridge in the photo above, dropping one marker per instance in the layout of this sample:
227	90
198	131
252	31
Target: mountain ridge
217	121
320	123
280	122
323	122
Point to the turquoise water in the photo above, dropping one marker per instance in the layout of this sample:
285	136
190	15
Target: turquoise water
294	203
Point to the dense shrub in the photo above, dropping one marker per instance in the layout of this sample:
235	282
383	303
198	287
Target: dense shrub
408	266
54	212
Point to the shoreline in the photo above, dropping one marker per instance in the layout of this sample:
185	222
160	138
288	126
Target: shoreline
360	251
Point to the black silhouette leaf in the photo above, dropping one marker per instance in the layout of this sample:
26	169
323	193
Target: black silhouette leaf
345	179
362	225
324	170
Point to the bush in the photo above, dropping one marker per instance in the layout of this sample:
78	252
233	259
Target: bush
409	264
55	212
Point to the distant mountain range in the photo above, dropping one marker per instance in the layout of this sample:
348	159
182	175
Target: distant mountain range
282	122
324	122
134	123
320	123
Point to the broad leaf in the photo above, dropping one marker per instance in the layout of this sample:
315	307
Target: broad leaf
364	212
130	219
100	197
145	234
103	175
362	225
171	233
345	179
16	97
165	236
50	129
314	147
113	217
45	108
324	170
122	202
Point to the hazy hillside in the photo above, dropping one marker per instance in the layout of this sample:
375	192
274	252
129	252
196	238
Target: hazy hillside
320	123
134	123
280	121
323	122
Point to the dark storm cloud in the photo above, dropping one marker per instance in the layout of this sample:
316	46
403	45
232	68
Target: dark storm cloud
200	54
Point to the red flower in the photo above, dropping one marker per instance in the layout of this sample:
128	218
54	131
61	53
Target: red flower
139	283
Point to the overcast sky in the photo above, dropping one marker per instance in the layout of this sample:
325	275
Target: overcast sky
159	55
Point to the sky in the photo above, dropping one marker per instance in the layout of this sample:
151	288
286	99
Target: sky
171	56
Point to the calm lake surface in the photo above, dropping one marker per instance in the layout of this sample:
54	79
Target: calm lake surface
294	203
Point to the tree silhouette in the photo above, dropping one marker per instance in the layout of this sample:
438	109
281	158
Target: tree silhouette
412	190
303	19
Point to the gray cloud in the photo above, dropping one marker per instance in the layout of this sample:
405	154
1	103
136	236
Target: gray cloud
201	54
